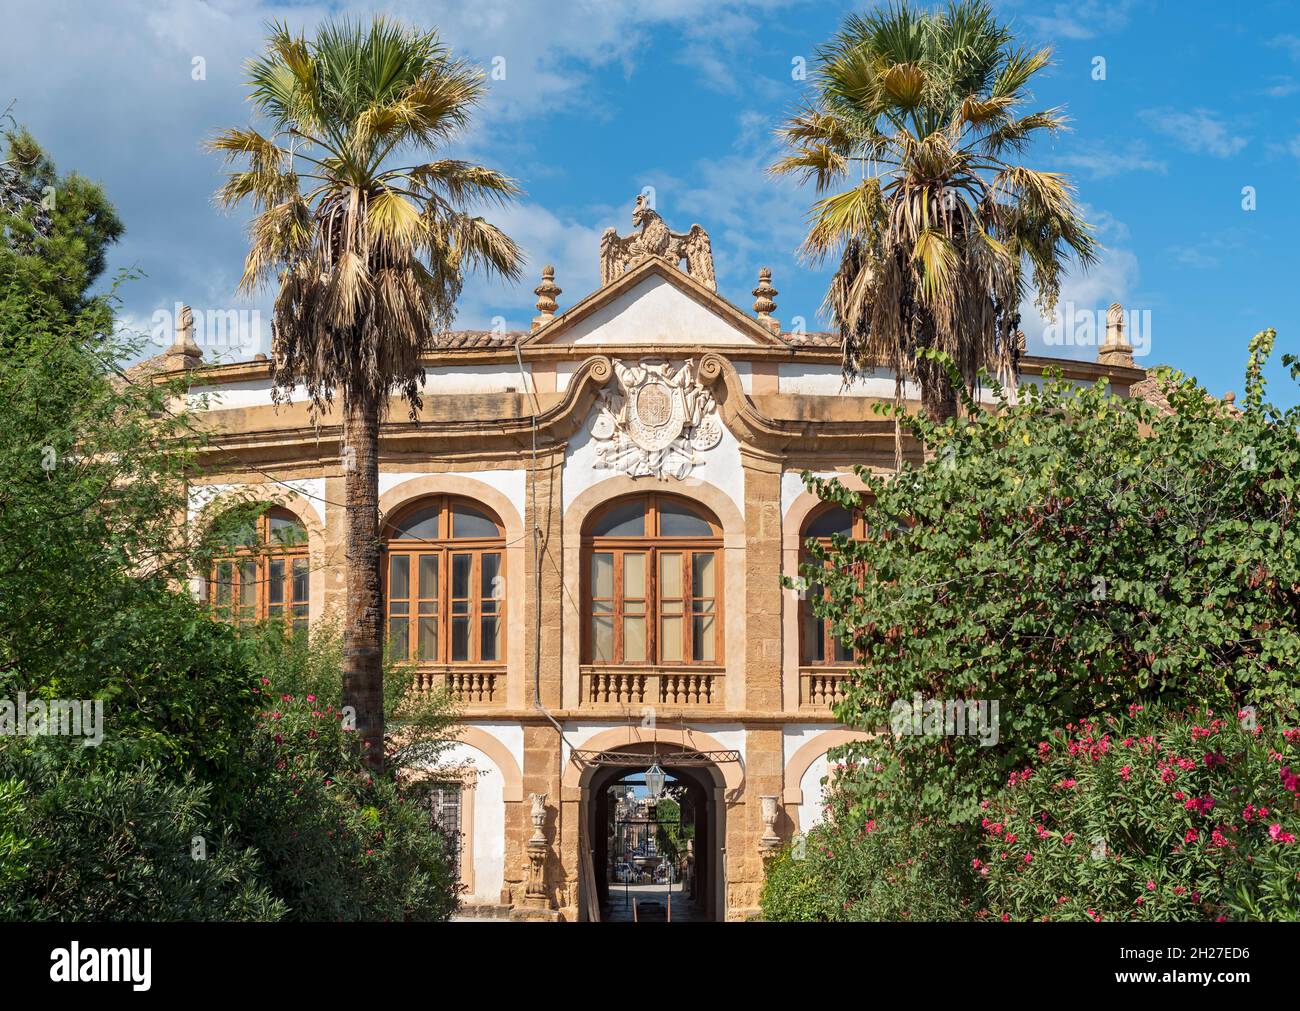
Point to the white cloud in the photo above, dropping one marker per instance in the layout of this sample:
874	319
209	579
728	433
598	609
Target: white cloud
1113	278
1290	44
1085	19
108	90
1197	131
1283	85
1105	160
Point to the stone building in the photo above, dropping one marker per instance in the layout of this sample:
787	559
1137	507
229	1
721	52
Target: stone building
585	531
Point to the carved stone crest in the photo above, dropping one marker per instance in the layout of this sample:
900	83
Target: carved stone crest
619	252
658	422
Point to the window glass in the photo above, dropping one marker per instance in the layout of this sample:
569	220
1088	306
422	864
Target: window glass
467	521
421	525
676	520
835	520
626	520
287	531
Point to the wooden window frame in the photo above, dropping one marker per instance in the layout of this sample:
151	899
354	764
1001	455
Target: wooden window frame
858	532
263	552
652	545
443	547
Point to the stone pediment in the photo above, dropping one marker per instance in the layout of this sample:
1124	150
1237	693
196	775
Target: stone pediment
655	304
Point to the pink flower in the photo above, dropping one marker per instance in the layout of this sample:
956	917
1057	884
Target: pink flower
1151	886
1191	836
1125	772
1029	858
1277	835
311	698
1067	784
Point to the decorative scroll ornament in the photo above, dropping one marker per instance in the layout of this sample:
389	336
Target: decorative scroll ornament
619	252
658	423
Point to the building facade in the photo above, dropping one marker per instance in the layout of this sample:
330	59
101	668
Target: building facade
585	531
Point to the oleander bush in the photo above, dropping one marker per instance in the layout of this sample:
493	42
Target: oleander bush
1159	814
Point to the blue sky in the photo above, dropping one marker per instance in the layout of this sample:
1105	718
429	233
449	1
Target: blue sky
1199	101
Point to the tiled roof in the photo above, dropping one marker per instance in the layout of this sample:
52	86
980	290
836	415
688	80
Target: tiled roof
470	340
464	340
820	339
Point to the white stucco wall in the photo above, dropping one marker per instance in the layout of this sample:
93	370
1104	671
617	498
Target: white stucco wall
477	379
488	833
828	381
251	393
437	380
311	488
792	487
509	483
654	311
794	737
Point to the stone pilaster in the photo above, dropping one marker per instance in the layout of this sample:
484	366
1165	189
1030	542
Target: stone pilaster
762	581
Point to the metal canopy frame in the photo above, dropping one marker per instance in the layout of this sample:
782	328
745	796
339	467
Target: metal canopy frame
685	757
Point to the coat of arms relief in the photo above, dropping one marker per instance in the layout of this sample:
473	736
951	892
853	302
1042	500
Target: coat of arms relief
657	423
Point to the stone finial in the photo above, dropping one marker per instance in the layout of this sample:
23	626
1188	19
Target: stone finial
546	293
1230	397
763	300
1115	351
183	347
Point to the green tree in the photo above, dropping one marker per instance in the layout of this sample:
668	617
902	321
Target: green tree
54	230
921	114
1064	556
368	242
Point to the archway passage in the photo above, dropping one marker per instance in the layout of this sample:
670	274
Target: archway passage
669	856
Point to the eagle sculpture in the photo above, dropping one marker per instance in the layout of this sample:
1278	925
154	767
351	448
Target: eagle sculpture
619	252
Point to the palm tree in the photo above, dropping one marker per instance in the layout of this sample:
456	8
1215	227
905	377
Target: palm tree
920	112
367	241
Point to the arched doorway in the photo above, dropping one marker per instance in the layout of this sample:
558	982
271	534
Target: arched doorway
610	835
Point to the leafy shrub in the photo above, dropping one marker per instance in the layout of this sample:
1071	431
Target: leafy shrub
856	866
89	841
1159	815
1064	555
335	841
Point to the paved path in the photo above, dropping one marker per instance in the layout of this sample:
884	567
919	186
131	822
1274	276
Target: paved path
619	911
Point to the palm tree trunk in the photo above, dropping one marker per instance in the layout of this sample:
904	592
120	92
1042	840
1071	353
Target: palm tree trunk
938	398
363	676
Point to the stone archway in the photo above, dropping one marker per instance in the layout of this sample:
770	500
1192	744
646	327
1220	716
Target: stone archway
707	787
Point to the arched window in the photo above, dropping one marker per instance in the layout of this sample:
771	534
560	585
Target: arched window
261	571
653	592
818	646
444	584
